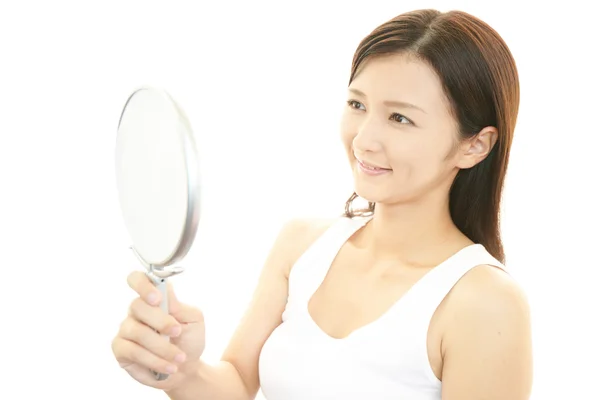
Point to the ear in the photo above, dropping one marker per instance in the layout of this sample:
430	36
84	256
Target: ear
476	149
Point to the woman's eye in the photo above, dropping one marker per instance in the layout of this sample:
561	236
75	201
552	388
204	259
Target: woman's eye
399	118
356	105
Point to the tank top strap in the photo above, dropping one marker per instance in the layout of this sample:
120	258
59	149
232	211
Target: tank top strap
428	293
311	268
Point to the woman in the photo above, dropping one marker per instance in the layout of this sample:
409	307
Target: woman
407	299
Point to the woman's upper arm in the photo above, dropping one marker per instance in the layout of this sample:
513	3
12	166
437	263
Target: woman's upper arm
269	299
487	349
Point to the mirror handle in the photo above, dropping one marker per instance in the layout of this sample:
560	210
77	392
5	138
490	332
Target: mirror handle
161	285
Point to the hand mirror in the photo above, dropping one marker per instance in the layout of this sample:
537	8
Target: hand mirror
158	185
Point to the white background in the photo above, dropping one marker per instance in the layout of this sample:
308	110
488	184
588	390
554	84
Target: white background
264	86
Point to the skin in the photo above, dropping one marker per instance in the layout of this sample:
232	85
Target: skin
479	339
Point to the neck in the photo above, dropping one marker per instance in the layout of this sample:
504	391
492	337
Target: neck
410	230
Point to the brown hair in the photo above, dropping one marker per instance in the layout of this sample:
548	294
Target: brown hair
480	79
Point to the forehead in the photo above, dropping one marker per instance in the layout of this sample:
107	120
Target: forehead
400	77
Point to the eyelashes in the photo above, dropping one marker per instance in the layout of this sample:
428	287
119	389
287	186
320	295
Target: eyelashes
355	104
396	117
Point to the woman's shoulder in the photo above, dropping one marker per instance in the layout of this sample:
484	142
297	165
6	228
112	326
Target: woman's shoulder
303	226
488	337
489	306
489	286
298	234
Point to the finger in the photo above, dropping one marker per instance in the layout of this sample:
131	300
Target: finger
129	352
154	317
142	285
174	304
146	377
183	313
188	315
146	337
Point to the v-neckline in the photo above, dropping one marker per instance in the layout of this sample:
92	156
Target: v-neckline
394	306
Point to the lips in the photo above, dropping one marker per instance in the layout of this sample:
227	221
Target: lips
371	167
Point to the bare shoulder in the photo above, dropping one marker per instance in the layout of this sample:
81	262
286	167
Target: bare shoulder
297	235
308	226
486	288
488	299
486	346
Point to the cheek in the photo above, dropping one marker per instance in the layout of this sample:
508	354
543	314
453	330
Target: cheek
417	158
407	151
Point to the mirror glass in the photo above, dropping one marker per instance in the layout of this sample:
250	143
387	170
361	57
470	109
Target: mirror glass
157	177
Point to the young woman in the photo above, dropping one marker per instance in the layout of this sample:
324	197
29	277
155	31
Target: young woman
407	299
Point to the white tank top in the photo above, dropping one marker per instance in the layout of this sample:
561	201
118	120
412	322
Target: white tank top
386	359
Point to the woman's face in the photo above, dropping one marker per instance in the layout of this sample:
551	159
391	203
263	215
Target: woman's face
400	136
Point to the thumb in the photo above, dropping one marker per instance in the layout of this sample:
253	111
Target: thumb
183	313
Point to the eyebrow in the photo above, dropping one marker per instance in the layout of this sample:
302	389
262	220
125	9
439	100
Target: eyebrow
390	103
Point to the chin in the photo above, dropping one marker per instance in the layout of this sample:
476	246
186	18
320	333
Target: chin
382	194
372	195
373	190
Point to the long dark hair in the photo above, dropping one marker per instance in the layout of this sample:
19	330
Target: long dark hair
481	82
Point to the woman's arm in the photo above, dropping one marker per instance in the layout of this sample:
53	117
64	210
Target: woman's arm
236	376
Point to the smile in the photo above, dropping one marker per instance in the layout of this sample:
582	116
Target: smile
370	169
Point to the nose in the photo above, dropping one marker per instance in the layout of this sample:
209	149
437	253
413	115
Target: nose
368	137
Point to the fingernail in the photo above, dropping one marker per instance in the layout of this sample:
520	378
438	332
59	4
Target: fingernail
171	369
175	331
152	298
180	358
